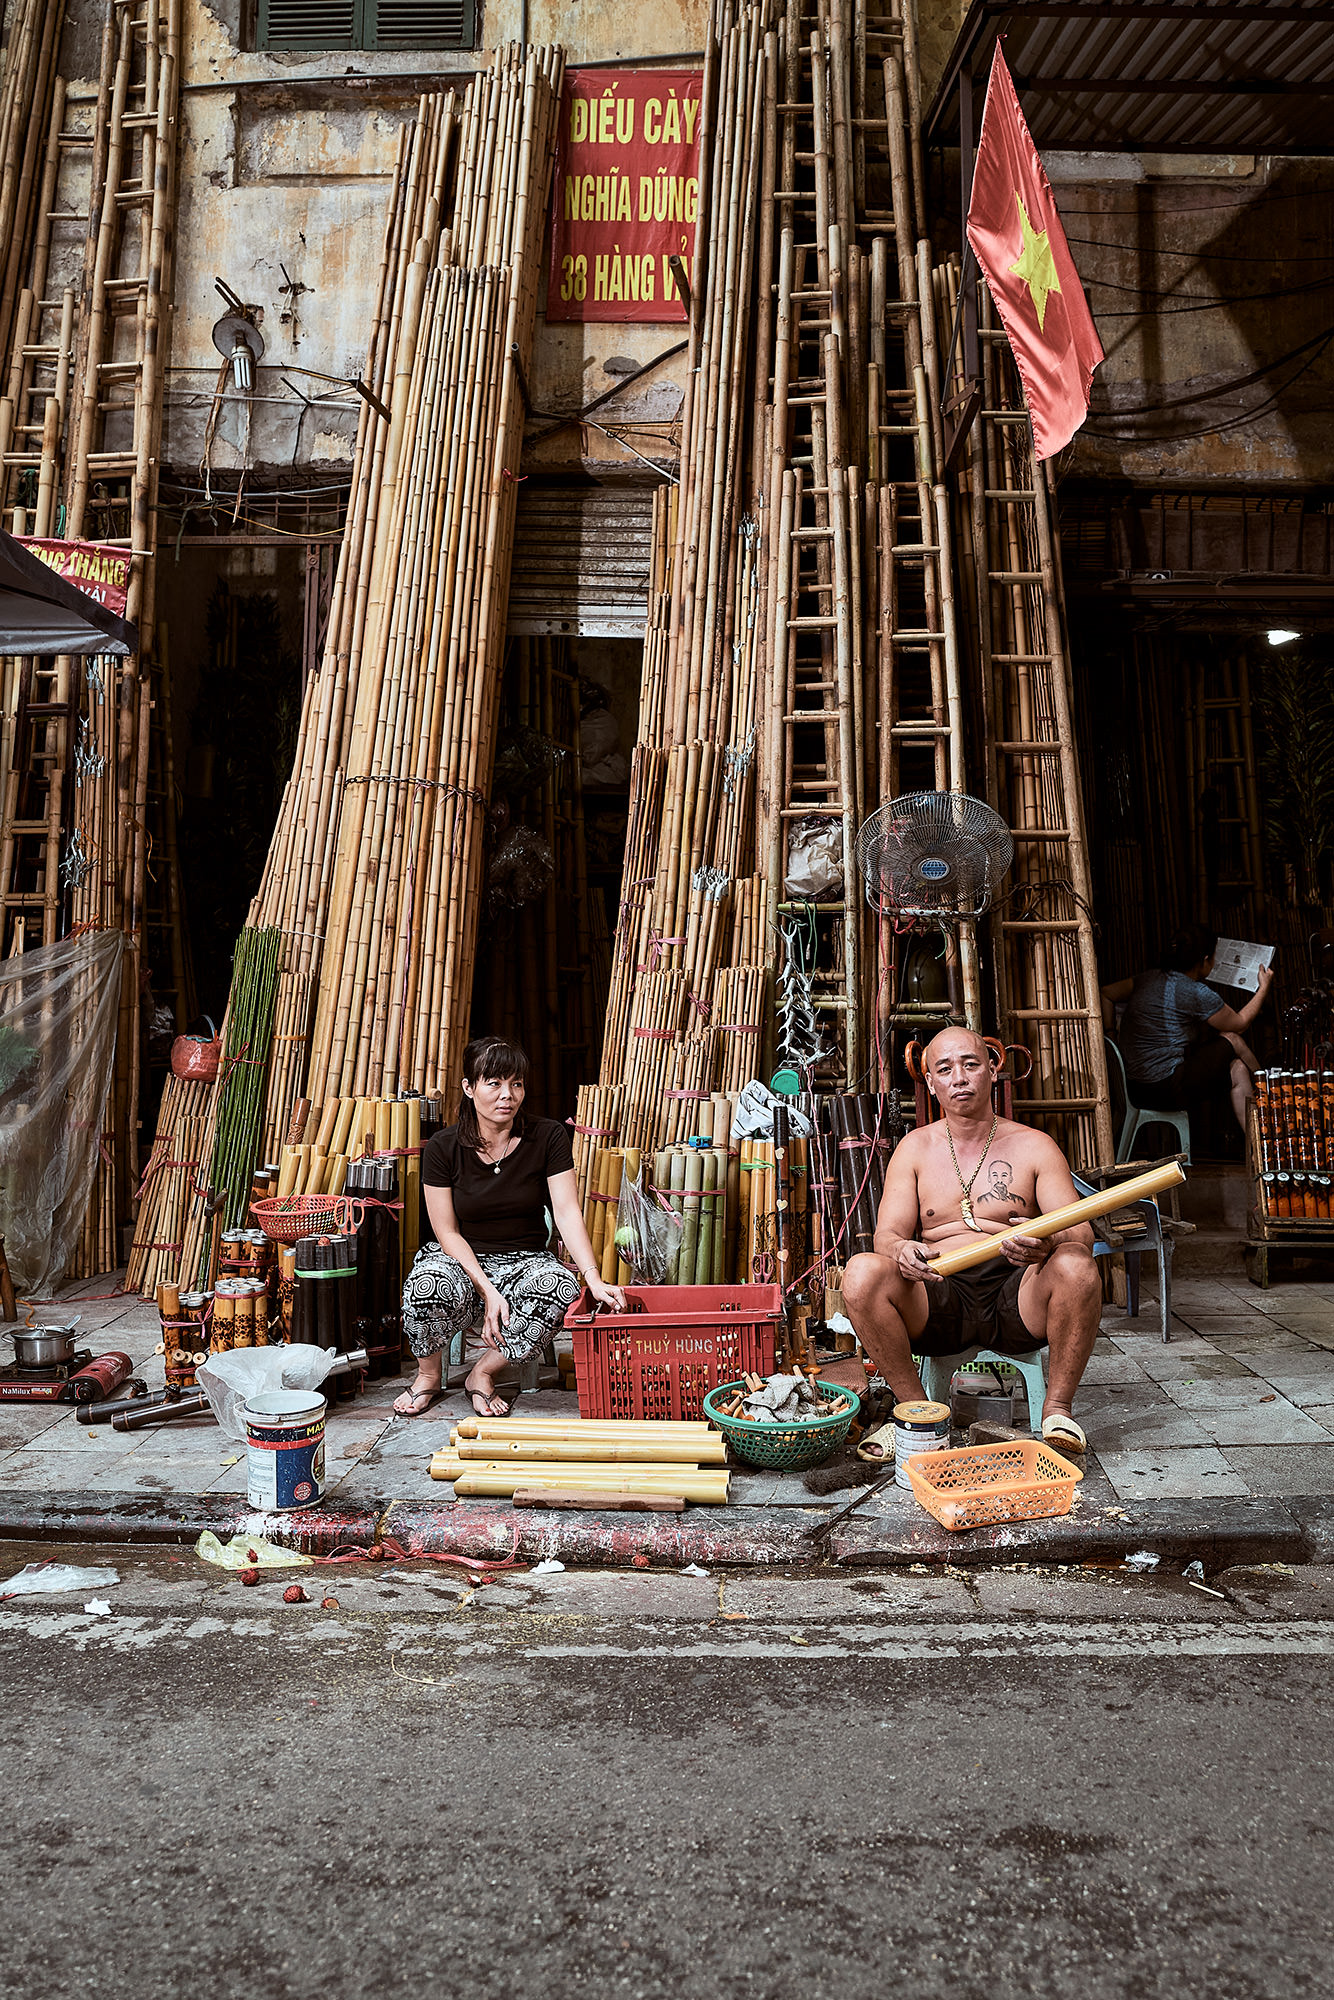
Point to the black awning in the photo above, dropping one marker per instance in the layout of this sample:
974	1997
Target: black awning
41	613
1155	76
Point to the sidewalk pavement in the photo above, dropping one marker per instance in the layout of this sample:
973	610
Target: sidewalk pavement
1219	1445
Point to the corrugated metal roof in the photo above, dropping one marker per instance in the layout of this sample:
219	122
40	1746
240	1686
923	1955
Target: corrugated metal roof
1155	76
581	561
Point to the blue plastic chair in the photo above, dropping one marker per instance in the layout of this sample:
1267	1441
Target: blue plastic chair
937	1371
1137	1117
1154	1238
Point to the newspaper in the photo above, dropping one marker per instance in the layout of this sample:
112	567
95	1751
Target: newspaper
1237	963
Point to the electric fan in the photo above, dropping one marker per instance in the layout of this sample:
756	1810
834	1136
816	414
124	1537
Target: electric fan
933	854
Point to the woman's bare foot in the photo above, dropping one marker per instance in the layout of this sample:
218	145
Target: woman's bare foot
484	1399
417	1400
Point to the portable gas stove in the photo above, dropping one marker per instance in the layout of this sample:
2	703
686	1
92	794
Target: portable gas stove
84	1378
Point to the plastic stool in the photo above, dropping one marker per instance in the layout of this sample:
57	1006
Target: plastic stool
937	1369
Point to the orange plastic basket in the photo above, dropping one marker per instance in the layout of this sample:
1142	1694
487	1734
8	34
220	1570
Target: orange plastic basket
986	1483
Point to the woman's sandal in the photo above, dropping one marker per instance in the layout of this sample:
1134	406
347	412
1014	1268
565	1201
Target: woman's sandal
487	1396
423	1396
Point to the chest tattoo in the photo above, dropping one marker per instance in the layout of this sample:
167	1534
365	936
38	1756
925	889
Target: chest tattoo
1001	1185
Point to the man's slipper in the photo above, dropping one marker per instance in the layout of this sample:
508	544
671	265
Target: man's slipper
424	1397
884	1437
1064	1433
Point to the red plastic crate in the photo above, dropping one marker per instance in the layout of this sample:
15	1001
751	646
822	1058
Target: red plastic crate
675	1343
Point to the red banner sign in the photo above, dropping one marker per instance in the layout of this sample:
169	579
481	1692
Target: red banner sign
626	194
101	573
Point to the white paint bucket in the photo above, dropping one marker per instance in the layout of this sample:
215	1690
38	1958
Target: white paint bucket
285	1449
918	1427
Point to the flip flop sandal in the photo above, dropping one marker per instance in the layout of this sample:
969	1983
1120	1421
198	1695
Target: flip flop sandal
426	1397
1064	1434
487	1396
884	1437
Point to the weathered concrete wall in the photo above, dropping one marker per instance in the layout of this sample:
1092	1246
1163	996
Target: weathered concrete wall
1203	273
285	165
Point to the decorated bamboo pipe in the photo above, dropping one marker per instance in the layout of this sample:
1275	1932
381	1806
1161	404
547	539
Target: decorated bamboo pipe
1141	1188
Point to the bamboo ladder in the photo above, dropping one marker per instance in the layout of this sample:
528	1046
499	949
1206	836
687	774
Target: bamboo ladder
815	711
912	640
1046	963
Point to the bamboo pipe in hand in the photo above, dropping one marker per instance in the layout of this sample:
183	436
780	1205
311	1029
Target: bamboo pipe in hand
1141	1188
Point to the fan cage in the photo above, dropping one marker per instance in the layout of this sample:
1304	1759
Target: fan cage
933	854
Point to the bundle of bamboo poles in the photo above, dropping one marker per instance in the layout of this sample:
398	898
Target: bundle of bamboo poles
28	89
597	1115
604	1458
174	1182
374	869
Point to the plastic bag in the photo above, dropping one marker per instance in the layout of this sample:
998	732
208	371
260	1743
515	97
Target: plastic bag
246	1552
815	860
58	1007
230	1380
755	1114
648	1235
521	869
46	1576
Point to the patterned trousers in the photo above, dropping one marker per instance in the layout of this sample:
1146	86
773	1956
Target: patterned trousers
441	1301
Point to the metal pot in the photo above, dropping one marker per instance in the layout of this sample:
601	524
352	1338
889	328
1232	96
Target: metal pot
44	1346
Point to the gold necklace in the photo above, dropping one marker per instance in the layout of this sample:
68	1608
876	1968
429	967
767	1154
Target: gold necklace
966	1186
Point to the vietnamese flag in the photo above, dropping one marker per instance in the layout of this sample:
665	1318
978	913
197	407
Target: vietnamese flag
1017	239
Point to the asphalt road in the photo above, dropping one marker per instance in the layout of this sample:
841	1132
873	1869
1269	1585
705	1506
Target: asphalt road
1009	1784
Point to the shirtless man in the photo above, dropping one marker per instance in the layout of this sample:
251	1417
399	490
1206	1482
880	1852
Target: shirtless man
972	1172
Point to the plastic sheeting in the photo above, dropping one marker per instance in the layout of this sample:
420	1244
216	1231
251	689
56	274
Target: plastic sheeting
58	1009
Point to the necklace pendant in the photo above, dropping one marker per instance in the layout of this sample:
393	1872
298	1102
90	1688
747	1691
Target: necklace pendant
966	1210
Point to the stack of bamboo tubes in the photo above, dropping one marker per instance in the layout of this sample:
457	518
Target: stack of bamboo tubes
608	1460
374	869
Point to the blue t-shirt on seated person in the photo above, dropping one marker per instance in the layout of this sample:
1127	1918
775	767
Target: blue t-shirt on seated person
1162	1017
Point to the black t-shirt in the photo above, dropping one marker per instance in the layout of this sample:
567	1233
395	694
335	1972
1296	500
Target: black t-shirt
505	1210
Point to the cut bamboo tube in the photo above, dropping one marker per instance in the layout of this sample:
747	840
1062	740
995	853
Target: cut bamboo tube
1141	1188
703	1451
707	1488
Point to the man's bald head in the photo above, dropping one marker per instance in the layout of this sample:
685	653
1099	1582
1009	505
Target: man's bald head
955	1041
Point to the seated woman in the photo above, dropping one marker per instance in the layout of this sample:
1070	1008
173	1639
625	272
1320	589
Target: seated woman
488	1181
1180	1043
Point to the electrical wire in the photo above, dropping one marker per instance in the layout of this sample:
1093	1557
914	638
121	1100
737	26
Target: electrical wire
1228	424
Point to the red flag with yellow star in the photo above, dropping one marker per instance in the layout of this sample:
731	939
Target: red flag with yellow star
1017	239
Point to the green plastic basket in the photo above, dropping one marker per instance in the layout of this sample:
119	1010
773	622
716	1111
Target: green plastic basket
787	1447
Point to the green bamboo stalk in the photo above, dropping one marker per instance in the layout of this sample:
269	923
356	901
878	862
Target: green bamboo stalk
251	1004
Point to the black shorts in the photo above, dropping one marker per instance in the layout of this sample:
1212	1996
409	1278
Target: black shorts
977	1309
1205	1071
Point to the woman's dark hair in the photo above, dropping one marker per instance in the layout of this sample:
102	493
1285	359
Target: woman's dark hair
1188	947
486	1060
